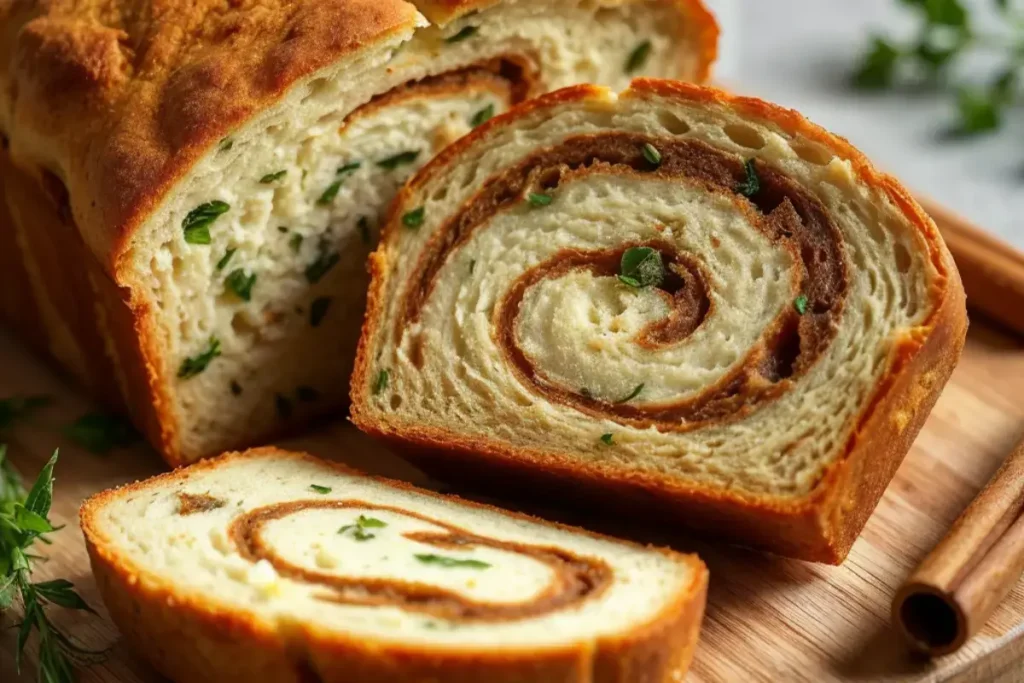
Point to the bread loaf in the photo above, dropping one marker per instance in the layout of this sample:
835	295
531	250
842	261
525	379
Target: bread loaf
274	566
191	188
672	298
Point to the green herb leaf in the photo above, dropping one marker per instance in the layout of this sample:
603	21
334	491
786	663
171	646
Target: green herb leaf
538	199
330	193
945	13
442	561
414	219
225	258
472	266
482	116
198	221
320	489
381	383
100	433
316	270
273	177
652	155
371	523
641	267
318	309
283	406
464	32
362	524
401	159
191	367
752	184
295	243
62	592
638	57
607	438
878	67
633	394
800	304
979	111
241	284
226	144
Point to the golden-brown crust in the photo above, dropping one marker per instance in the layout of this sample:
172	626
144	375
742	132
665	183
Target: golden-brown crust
191	640
819	526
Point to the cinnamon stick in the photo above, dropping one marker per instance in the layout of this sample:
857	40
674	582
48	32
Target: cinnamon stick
958	586
992	271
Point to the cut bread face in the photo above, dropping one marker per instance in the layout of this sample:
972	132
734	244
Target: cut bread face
247	278
320	572
671	294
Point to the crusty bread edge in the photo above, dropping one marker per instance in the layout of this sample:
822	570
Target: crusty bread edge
820	526
188	639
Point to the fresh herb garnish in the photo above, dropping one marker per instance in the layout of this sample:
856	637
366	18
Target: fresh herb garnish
633	394
320	489
197	223
800	304
381	383
24	519
350	167
752	184
472	266
330	193
538	199
273	177
100	433
401	159
191	367
482	116
641	267
464	32
225	258
283	229
240	283
283	406
414	219
226	144
638	57
236	388
359	529
307	394
18	407
295	243
326	260
607	438
442	561
651	154
364	229
318	309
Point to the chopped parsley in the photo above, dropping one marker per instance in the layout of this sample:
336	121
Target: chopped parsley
800	304
652	155
607	438
330	193
414	219
225	258
283	406
273	177
359	529
226	144
442	561
752	184
482	116
401	159
464	32
295	243
638	57
320	489
364	229
100	433
538	199
283	229
381	383
350	167
198	221
318	309
633	394
326	260
240	283
191	367
307	394
641	267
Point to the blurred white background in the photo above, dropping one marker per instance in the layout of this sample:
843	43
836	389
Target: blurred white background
799	53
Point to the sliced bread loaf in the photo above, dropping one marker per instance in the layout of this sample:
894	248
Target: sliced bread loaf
274	566
193	187
673	298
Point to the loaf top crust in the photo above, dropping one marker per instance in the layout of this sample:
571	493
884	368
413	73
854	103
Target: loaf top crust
111	102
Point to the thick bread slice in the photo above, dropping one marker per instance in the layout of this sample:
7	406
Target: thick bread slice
275	566
765	391
193	187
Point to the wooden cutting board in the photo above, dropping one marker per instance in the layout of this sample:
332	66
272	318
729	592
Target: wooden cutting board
768	619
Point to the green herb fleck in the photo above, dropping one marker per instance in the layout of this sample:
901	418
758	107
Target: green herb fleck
225	258
401	159
607	439
800	304
586	393
350	167
318	309
381	383
226	144
307	394
359	529
236	388
641	267
652	155
482	116
633	394
326	260
538	199
317	488
472	266
273	177
878	67
196	364
240	283
442	561
283	406
198	221
752	184
100	433
295	243
283	229
638	57
330	193
364	229
414	219
464	33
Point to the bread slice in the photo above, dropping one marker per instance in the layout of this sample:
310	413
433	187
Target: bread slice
192	198
276	566
671	298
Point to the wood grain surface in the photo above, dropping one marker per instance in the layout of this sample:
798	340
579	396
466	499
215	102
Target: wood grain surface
768	619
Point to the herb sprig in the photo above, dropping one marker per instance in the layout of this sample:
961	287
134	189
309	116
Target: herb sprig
641	267
359	529
449	562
